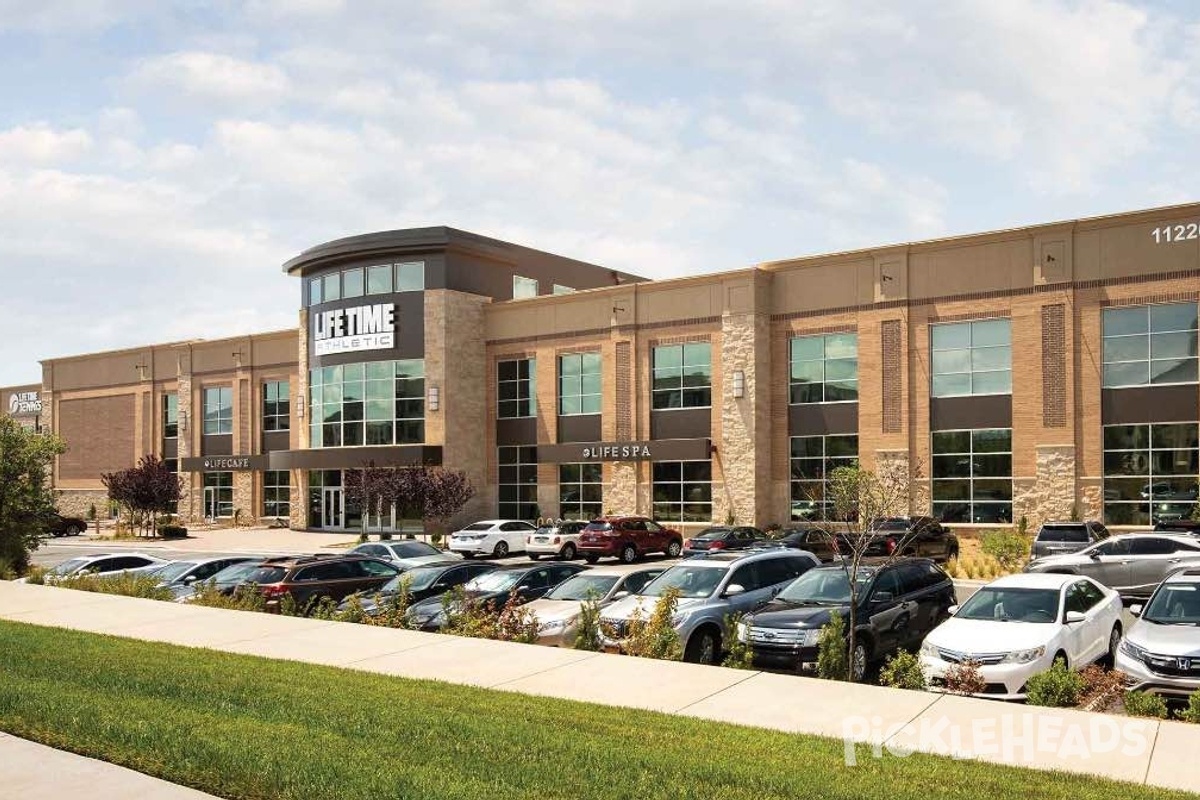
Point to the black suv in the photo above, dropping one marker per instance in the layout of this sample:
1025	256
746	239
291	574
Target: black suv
58	525
898	605
493	590
923	537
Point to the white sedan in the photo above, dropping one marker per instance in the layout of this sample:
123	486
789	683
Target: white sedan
1017	626
496	537
405	554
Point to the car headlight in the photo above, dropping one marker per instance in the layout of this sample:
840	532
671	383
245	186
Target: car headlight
743	631
1024	656
678	618
928	649
552	626
1132	650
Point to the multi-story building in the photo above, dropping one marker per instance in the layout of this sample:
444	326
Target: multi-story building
1039	372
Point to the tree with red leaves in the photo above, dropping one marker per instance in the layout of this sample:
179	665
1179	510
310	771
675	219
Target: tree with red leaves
430	494
146	491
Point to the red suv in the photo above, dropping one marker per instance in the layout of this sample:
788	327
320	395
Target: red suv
628	539
308	579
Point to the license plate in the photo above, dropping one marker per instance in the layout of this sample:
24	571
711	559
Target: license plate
541	539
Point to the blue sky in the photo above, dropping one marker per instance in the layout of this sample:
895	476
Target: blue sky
159	161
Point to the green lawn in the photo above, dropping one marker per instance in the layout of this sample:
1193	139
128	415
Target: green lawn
245	727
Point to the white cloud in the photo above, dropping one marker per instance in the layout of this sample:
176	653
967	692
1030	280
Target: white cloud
212	76
41	144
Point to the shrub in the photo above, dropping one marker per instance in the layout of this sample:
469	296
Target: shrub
740	656
91	512
322	607
1101	688
1192	712
656	637
363	538
1008	549
515	622
832	660
964	678
173	532
1058	687
393	611
124	583
36	575
1141	704
243	598
587	629
903	671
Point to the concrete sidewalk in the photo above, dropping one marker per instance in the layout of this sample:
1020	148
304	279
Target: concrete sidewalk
35	772
1136	750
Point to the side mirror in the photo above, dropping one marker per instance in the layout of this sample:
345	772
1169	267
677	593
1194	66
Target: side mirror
734	589
952	610
1094	555
621	595
879	598
1136	610
191	579
1074	617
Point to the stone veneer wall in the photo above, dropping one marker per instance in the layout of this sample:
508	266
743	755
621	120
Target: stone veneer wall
1051	494
189	502
742	450
298	505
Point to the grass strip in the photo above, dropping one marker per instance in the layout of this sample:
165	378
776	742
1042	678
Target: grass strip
246	727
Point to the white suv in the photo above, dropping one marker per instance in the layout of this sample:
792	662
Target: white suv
496	537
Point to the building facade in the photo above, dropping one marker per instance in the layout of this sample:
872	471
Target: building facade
1042	372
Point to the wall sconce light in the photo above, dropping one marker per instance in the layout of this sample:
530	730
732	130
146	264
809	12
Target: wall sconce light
435	398
141	370
739	383
183	420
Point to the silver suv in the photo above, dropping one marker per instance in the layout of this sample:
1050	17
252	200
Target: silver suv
1161	652
1057	538
1133	564
711	587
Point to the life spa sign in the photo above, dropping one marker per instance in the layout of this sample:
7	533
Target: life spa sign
350	330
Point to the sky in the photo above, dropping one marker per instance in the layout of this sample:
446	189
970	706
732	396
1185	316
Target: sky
159	161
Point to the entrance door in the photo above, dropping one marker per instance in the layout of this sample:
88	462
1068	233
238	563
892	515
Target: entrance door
332	509
212	502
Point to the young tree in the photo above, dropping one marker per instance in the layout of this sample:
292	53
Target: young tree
446	493
26	499
430	494
861	499
148	490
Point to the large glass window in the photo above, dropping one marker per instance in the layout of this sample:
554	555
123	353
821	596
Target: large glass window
277	493
410	276
314	292
170	412
579	383
971	358
352	283
332	287
524	287
379	279
517	388
813	460
517	483
682	376
972	475
277	414
1146	345
377	403
1150	472
682	491
218	410
824	368
580	491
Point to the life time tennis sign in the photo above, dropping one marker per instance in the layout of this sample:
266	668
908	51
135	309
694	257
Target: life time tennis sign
350	330
22	404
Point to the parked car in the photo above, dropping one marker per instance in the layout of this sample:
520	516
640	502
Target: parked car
558	610
422	582
627	539
816	539
100	564
923	537
898	604
1160	653
1058	538
225	582
493	590
65	526
1019	625
309	579
712	588
1188	526
723	537
196	570
1133	564
496	537
561	539
405	553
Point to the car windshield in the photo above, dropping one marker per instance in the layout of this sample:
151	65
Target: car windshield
235	574
414	550
479	526
417	579
583	587
598	526
691	581
67	567
266	575
1174	604
890	525
822	587
169	572
713	533
496	581
1011	604
1063	533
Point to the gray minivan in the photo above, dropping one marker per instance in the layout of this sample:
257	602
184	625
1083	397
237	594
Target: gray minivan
1059	538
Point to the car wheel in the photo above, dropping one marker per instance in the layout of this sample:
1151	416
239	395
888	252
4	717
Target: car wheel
1114	641
628	554
591	559
467	556
568	552
535	556
674	549
501	550
704	647
73	530
858	662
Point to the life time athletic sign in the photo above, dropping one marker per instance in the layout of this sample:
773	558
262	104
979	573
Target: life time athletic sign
350	330
656	450
23	404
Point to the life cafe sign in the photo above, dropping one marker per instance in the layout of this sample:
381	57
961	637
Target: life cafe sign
22	404
349	330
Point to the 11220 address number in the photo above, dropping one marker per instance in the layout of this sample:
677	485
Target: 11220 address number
1176	233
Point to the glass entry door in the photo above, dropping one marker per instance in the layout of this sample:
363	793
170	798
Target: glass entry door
333	509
